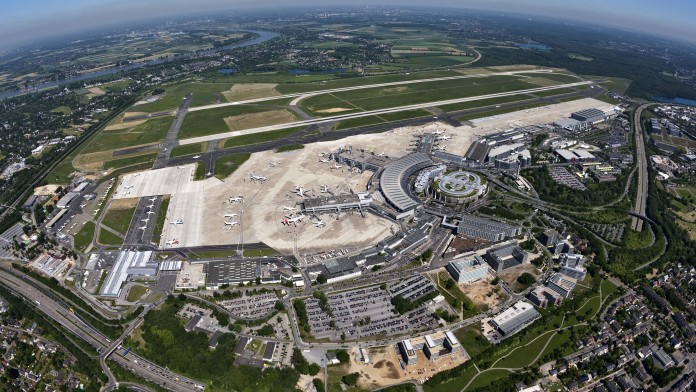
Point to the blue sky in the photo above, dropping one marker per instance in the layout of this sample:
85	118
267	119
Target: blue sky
21	20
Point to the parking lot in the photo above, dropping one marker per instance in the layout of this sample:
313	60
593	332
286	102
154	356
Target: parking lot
251	306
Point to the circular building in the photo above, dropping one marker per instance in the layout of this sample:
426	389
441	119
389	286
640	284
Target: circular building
459	187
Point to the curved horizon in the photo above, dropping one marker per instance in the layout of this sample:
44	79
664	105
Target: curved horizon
31	21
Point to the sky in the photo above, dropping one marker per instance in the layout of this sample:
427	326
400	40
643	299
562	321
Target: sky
25	20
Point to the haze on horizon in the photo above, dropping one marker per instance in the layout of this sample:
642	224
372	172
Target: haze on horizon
32	20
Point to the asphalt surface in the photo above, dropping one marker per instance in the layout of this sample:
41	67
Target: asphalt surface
377	112
642	165
144	217
170	140
78	327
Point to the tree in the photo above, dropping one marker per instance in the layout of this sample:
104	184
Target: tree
258	280
526	279
279	306
351	379
383	286
314	369
342	356
182	297
321	279
319	385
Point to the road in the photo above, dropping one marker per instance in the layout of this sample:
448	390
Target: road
69	321
172	134
377	112
642	166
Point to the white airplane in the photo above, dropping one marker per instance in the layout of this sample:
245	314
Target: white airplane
150	212
438	132
208	174
145	220
153	199
299	191
324	188
143	228
82	205
324	160
442	148
150	206
235	199
172	242
293	219
128	186
257	178
445	137
196	156
230	215
177	222
321	223
336	167
232	223
285	208
274	164
381	154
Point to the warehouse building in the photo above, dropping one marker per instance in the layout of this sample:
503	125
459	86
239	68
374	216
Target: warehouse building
230	272
65	200
506	256
592	116
468	271
487	229
515	318
128	263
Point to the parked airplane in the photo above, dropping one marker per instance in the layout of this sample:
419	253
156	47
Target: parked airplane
128	186
150	206
381	154
438	132
441	148
232	223
293	219
208	174
143	228
153	199
177	222
336	167
324	160
172	242
324	188
445	137
145	220
299	191
230	215
237	199
257	178
274	164
150	212
321	223
285	208
196	156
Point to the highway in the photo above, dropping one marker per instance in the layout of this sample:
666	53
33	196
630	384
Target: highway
79	328
642	166
304	123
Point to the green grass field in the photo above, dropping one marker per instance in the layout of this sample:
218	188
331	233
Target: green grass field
484	102
261	137
136	292
119	219
472	340
84	237
525	354
226	165
259	252
159	221
324	82
212	121
381	119
151	131
130	161
289	147
386	97
62	109
203	94
200	171
108	238
213	254
187	149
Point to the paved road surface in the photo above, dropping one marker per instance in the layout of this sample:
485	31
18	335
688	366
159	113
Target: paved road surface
172	134
642	166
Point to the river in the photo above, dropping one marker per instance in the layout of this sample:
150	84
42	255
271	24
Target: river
679	101
263	36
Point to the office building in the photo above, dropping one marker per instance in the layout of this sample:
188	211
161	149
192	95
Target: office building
515	318
468	271
507	256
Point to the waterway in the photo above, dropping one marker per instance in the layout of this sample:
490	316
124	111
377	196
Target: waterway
262	36
677	100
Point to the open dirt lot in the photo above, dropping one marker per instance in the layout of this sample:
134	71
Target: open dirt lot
384	368
244	91
255	120
118	124
335	110
483	293
510	275
96	91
